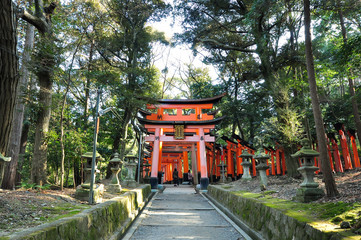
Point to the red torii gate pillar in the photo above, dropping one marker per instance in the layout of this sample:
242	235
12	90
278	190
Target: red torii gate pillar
185	165
155	159
336	155
345	151
218	161
239	160
354	149
194	165
203	160
229	161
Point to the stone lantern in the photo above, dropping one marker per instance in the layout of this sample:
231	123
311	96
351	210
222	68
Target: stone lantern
222	170
3	160
262	168
115	167
83	190
88	156
309	190
246	163
130	164
146	166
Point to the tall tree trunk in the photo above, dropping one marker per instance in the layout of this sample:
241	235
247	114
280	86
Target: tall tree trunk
25	132
124	132
23	143
62	139
44	70
281	103
39	164
355	111
62	162
9	77
320	131
87	85
14	148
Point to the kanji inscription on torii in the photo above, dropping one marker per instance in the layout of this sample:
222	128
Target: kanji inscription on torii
179	132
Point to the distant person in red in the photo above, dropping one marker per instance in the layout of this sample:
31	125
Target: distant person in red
175	177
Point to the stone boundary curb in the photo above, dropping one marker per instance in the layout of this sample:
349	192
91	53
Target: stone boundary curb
103	221
253	234
263	222
121	232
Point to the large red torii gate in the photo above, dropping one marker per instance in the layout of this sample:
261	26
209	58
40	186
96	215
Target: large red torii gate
180	123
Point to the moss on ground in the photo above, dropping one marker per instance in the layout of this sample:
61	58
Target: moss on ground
312	213
62	211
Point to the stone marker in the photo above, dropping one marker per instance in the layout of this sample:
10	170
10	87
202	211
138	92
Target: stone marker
262	168
222	170
83	190
116	166
130	164
309	190
246	163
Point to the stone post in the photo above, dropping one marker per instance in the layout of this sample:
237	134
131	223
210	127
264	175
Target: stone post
83	190
222	170
116	167
308	190
246	163
262	168
130	164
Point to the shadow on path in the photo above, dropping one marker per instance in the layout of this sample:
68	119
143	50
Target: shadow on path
181	213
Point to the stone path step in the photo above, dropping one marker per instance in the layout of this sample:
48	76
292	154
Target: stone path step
181	213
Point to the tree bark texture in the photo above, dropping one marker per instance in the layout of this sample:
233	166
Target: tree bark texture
87	85
9	77
62	140
124	132
39	162
14	147
23	143
43	68
330	184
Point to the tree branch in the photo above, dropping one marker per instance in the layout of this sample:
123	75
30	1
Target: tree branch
39	20
39	9
40	24
217	44
223	25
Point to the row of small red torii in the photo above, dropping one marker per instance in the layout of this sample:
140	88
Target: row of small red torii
277	158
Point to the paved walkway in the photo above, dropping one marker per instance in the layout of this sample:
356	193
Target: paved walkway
180	213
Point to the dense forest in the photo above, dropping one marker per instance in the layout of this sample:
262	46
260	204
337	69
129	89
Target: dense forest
290	69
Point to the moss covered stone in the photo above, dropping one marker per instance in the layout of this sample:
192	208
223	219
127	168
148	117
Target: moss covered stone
282	219
99	222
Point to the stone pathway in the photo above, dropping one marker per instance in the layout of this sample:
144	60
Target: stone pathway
180	213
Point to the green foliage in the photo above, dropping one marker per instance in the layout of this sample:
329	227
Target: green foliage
256	46
29	186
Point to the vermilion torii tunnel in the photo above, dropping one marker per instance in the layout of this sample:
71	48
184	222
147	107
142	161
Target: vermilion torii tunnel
181	126
176	126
